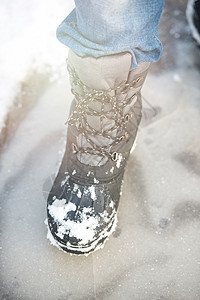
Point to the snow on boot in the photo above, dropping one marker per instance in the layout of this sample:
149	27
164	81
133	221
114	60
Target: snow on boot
102	127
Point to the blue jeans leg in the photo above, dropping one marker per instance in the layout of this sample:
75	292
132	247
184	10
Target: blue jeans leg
98	28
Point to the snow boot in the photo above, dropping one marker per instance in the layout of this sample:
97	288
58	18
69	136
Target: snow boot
104	119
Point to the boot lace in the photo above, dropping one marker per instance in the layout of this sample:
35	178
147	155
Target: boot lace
84	96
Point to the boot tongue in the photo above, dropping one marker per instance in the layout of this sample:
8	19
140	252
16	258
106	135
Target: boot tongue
101	73
100	125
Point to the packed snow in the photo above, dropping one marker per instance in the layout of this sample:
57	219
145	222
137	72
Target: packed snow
83	230
59	209
29	44
92	192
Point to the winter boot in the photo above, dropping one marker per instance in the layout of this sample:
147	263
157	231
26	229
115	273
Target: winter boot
103	122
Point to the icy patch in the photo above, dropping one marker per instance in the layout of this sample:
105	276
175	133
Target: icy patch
59	209
92	192
74	172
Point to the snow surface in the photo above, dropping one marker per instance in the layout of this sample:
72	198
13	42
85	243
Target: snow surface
28	44
155	251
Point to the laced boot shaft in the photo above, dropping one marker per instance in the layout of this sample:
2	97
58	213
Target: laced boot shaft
103	126
111	109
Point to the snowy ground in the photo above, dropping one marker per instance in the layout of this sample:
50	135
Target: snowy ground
29	53
155	251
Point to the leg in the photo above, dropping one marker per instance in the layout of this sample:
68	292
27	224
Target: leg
98	28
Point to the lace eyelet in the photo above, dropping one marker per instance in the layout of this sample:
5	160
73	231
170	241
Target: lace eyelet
74	149
115	156
139	79
127	118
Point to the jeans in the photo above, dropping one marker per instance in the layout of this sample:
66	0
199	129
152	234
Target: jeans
104	27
